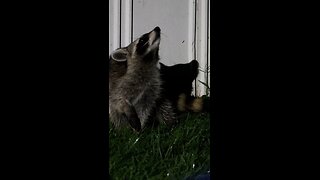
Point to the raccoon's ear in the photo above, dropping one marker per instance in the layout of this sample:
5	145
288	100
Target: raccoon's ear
194	64
119	55
194	68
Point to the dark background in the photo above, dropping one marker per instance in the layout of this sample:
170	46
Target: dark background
264	85
55	90
55	81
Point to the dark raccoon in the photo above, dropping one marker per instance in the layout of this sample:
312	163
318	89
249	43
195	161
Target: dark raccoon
177	86
135	85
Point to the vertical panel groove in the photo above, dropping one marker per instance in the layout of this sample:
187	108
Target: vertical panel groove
208	38
120	22
195	41
202	46
191	17
114	25
131	20
126	24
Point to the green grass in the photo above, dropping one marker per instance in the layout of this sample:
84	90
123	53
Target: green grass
160	152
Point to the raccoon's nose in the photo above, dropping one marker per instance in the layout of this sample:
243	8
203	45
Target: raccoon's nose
157	29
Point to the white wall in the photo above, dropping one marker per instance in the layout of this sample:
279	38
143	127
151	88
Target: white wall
183	24
173	18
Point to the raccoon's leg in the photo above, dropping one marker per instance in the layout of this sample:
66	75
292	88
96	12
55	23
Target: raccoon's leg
125	112
144	110
165	112
145	106
131	116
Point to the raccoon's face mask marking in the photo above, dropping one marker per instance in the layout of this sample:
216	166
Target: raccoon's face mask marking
140	48
148	42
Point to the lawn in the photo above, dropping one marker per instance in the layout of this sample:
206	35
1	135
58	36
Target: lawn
161	152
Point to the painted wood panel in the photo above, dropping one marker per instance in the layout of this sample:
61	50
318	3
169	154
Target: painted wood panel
173	17
185	30
114	25
202	44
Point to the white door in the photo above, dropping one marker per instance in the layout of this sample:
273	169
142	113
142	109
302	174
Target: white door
184	24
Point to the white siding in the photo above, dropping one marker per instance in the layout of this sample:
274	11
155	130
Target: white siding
172	17
114	25
184	33
202	44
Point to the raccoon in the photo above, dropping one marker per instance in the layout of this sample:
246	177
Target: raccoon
177	86
135	88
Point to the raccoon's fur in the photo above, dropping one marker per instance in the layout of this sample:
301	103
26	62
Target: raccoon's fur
135	88
116	70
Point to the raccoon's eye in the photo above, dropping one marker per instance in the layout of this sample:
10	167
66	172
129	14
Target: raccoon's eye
142	41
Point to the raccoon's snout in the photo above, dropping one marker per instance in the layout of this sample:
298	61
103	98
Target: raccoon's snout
155	35
157	29
148	42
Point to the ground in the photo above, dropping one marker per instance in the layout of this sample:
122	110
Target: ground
161	152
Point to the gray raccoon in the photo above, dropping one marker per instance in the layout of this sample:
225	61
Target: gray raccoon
135	87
